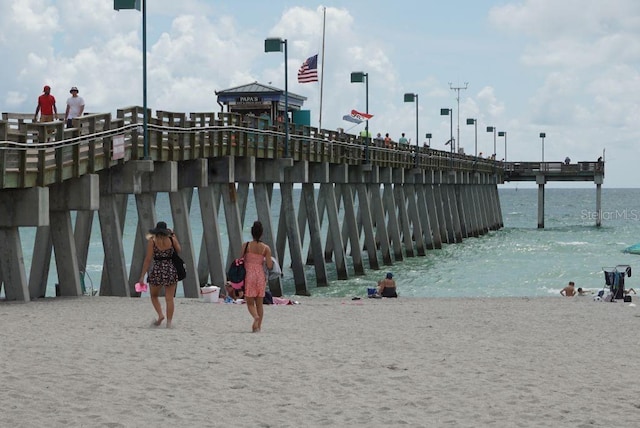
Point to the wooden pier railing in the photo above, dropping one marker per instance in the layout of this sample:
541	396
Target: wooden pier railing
552	171
41	154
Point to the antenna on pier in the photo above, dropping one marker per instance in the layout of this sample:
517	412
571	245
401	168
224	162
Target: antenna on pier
457	89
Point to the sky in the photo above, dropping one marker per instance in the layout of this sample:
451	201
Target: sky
568	68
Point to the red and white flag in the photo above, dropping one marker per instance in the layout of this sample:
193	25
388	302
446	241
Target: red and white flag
361	116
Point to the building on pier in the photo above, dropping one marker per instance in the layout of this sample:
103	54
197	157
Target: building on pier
258	99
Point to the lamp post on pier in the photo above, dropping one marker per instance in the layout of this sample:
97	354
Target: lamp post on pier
542	136
360	77
475	123
274	44
449	112
409	98
138	5
504	134
493	129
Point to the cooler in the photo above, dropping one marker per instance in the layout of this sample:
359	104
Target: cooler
210	294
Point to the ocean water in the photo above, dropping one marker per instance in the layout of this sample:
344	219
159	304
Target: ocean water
518	260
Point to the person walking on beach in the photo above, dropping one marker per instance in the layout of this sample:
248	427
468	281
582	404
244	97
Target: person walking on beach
46	106
256	254
569	290
75	107
162	243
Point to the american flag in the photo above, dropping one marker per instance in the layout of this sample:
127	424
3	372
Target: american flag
309	70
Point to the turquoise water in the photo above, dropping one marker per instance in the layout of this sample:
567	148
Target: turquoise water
518	260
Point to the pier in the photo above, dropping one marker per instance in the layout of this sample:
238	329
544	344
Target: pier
543	172
362	205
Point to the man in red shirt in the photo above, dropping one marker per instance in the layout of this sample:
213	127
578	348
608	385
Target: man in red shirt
46	106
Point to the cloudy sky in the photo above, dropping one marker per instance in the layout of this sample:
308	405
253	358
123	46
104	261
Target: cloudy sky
569	68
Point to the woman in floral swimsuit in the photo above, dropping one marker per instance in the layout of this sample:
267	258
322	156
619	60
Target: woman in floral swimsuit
162	243
255	281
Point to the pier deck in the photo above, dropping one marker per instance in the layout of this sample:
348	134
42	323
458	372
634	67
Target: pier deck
553	171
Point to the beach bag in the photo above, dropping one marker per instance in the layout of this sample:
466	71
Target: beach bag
237	271
181	268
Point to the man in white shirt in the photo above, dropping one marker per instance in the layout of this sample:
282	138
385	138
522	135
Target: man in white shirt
75	107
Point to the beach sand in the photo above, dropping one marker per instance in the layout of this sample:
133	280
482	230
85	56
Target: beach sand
512	362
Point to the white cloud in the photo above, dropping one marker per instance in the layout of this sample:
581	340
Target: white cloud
15	99
489	103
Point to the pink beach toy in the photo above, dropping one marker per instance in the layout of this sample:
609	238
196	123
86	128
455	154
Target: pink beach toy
141	287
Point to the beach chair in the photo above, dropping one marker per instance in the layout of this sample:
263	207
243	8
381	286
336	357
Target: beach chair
614	279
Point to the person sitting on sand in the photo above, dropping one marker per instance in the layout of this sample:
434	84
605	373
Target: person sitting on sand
583	292
569	290
387	286
234	293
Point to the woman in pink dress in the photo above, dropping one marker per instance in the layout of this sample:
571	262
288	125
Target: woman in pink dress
255	281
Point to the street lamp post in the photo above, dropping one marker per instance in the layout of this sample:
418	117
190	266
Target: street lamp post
409	98
504	134
542	136
493	129
359	77
274	44
145	115
474	122
136	4
449	112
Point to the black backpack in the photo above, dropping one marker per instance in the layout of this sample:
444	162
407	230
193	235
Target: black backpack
236	271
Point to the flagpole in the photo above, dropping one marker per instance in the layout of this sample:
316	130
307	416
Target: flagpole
324	20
